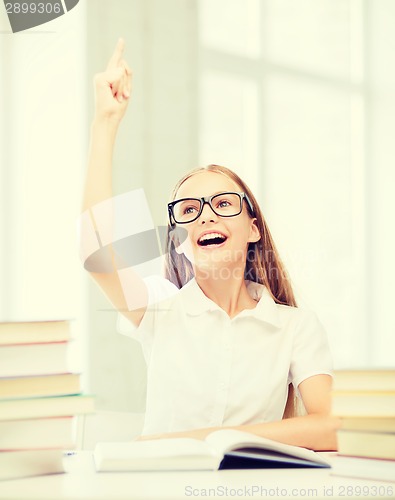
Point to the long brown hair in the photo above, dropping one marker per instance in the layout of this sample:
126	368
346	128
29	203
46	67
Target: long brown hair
263	264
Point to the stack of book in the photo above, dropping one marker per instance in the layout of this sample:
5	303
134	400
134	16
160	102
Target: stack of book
365	401
40	397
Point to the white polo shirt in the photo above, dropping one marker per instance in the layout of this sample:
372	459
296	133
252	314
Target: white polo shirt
206	369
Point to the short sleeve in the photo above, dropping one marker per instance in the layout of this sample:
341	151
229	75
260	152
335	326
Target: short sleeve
159	290
310	352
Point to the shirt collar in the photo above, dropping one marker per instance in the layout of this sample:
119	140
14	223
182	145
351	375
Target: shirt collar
196	303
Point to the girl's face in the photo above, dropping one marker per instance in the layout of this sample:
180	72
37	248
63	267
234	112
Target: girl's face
234	233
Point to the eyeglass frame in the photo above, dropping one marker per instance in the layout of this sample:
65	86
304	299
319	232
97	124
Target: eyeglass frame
207	200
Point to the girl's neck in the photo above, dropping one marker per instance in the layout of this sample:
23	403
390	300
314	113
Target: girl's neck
229	294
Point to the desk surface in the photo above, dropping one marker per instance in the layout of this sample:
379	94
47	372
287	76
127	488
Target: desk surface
82	482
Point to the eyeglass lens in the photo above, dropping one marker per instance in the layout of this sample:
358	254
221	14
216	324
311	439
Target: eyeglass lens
223	204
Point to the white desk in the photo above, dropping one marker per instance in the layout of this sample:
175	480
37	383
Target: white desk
82	482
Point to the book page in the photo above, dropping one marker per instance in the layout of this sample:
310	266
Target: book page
228	440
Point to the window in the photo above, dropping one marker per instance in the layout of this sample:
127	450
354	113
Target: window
285	92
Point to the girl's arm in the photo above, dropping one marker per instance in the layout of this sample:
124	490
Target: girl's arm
316	430
112	92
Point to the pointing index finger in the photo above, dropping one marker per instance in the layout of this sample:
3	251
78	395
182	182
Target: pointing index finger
117	54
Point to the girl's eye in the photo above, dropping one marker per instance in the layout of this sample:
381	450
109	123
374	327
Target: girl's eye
223	204
189	210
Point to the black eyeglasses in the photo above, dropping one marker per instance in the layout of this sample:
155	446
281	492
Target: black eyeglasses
227	204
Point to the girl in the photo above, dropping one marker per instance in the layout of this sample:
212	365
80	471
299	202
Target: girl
225	344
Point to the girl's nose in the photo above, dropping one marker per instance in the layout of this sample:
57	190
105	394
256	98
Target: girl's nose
208	214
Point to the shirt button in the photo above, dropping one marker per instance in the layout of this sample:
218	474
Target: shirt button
222	385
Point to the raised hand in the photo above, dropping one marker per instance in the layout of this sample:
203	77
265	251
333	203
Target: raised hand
113	86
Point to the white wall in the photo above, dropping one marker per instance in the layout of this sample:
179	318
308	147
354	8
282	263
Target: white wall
43	147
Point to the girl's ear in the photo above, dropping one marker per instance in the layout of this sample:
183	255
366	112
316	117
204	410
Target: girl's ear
255	235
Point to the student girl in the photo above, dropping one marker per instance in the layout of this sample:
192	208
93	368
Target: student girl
225	344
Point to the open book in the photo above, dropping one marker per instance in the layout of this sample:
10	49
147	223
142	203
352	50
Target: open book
223	449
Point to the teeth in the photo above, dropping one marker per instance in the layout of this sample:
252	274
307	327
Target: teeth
211	236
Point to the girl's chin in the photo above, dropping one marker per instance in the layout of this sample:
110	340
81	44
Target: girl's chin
219	255
212	260
213	264
215	257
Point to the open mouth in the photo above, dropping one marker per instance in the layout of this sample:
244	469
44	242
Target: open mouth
211	239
